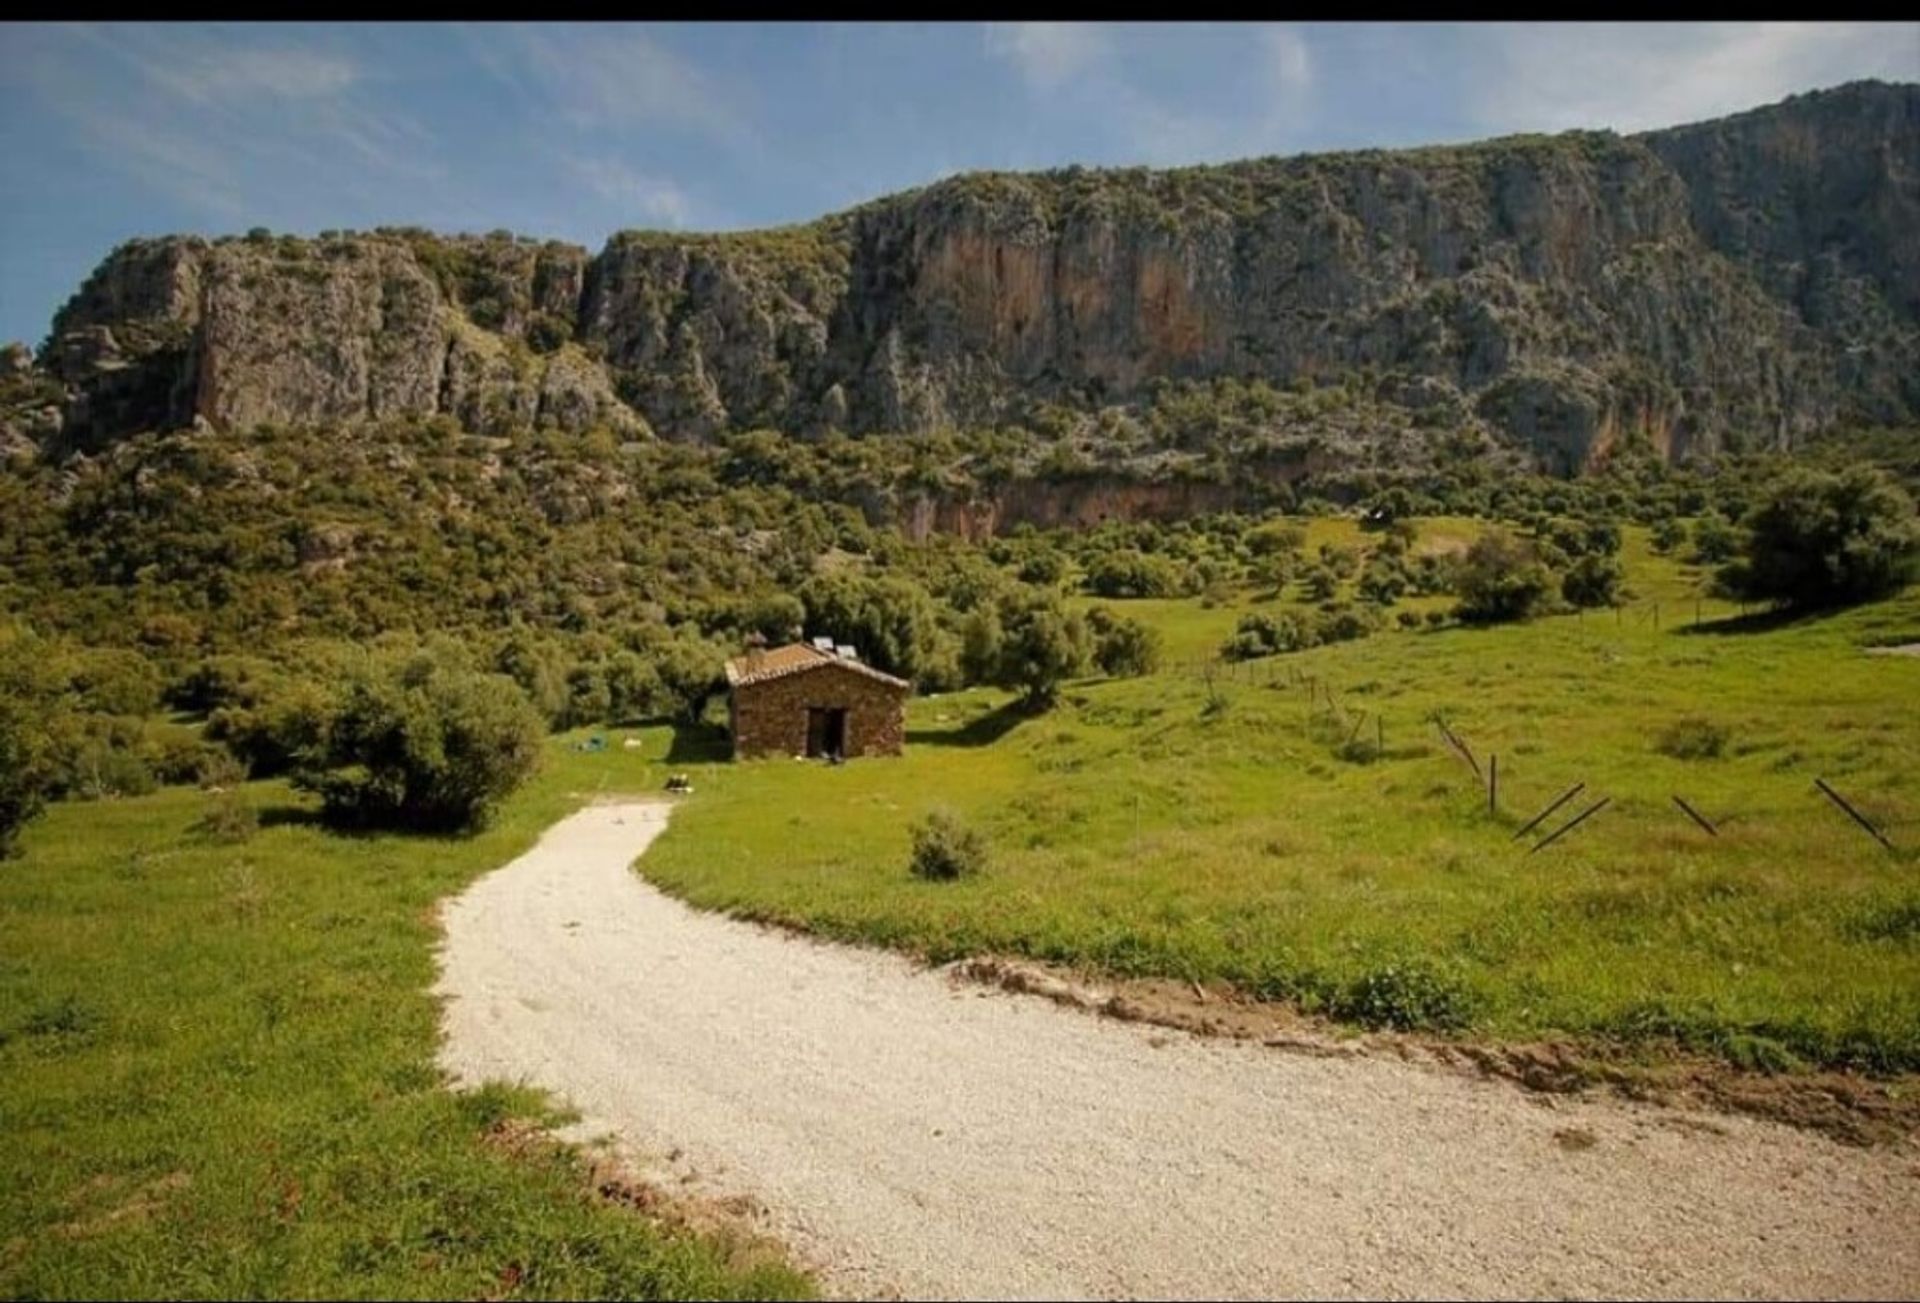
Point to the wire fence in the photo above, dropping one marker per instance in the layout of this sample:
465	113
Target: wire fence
1361	733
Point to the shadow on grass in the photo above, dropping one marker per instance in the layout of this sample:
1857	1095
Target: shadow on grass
300	816
982	730
291	816
1770	620
699	744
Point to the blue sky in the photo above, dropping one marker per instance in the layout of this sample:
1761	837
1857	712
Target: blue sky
576	131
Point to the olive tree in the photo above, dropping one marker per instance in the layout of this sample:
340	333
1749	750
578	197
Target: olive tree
1817	538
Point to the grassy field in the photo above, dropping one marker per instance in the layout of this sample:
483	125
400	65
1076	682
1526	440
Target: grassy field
1162	826
216	1060
217	1076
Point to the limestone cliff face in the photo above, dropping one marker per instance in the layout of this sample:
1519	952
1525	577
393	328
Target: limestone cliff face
241	332
1746	280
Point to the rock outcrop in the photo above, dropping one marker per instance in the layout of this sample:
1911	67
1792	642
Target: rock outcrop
1744	281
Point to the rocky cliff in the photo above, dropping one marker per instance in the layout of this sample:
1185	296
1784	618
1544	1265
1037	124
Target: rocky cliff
1746	280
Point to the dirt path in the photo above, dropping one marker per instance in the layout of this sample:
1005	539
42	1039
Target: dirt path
908	1134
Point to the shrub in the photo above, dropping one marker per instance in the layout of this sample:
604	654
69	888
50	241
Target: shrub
1406	995
1692	738
98	768
229	818
1262	633
1383	581
436	750
1714	540
23	777
179	755
546	333
1593	580
945	849
1042	644
1343	561
1821	539
1130	573
1272	570
1502	579
289	722
1276	537
1126	647
1320	583
1345	623
1669	535
1410	619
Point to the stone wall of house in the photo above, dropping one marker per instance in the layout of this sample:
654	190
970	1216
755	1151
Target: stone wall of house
770	718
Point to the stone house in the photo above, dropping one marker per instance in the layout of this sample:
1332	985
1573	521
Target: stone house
813	700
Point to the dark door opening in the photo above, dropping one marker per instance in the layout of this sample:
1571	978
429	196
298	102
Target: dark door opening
826	731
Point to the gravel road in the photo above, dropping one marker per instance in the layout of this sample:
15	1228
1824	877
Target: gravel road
905	1134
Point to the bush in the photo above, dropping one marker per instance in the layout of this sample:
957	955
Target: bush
230	818
1669	535
1593	580
1406	996
429	749
1320	583
1346	623
1276	538
1124	647
1502	579
1821	539
945	849
1693	738
1129	573
1714	541
1383	581
1261	633
288	722
98	768
1042	644
23	777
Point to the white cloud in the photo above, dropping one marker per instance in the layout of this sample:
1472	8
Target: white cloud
219	122
1290	60
659	199
1049	55
242	74
604	77
1554	77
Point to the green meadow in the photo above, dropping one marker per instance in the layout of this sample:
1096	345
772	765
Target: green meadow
217	1074
1240	826
217	1066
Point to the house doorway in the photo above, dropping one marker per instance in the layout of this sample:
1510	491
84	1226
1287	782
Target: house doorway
826	731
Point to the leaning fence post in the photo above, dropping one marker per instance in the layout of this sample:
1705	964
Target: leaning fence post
1697	817
1566	828
1858	818
1558	801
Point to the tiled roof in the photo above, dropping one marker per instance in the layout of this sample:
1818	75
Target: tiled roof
795	658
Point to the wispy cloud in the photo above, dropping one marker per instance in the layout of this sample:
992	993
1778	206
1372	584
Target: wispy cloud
1048	54
1551	77
237	74
599	77
1262	87
1290	64
658	199
229	123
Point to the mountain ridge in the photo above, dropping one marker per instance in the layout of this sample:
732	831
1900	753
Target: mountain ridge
1745	281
